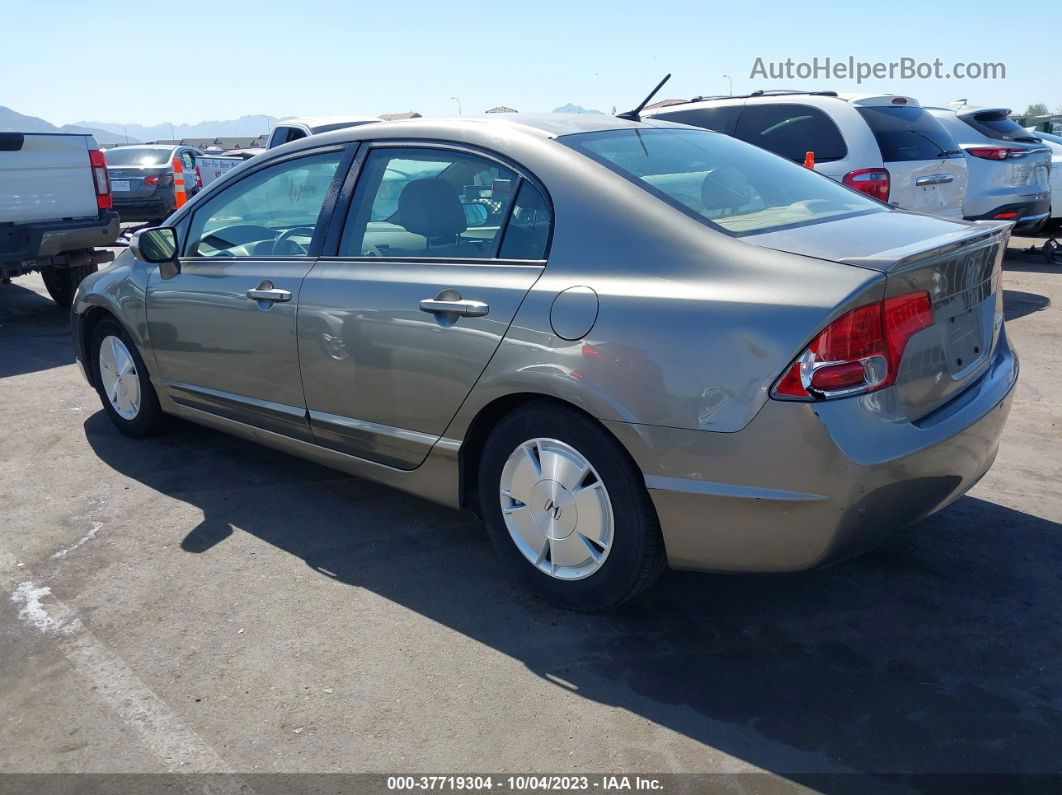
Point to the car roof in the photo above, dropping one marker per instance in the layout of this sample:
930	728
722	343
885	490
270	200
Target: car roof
539	125
315	121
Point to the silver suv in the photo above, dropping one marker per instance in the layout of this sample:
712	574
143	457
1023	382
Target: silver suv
1009	166
886	146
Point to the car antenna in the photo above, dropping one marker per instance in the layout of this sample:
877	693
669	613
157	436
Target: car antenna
632	115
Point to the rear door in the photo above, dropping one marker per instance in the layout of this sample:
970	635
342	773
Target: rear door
926	166
427	270
223	329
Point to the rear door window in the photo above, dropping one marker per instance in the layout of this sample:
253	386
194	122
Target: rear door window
791	130
908	133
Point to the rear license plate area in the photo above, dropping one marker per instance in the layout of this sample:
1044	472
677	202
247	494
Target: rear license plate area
965	342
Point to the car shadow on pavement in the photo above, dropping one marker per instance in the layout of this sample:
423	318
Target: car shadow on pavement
938	652
1017	304
34	332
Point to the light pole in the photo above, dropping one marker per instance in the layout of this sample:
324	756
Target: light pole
731	91
126	133
455	99
172	136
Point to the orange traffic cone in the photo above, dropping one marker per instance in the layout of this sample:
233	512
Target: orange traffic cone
179	191
809	160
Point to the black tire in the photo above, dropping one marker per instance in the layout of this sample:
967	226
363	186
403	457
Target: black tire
636	557
62	283
150	419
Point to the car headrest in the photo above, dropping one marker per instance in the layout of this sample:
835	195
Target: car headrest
431	207
725	188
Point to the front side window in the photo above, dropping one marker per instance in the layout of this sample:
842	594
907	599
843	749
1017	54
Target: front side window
791	130
428	203
734	187
272	213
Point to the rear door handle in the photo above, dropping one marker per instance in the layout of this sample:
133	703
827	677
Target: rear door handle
934	179
462	307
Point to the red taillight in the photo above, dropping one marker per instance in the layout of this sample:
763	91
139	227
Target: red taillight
859	352
100	180
871	181
198	178
152	179
996	152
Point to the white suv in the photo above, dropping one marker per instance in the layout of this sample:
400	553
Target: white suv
886	146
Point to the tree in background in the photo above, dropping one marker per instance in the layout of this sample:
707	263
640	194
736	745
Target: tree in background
1039	109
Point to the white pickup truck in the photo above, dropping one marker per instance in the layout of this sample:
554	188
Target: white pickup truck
55	209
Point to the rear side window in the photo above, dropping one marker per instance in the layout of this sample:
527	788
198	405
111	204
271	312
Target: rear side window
284	135
908	133
791	131
996	124
717	119
527	235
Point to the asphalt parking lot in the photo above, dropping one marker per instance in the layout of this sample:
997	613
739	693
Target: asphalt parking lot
197	603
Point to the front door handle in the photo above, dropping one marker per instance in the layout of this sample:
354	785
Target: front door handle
267	292
462	307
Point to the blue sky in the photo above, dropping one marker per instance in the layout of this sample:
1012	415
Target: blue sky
191	61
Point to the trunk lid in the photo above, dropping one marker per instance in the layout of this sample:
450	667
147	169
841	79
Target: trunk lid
128	182
958	264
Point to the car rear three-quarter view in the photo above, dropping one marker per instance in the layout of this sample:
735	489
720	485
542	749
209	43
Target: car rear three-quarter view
624	344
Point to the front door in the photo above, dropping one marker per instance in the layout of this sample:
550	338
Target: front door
438	250
223	329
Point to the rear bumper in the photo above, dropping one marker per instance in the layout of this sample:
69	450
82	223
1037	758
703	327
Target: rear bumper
156	208
805	485
24	247
1029	213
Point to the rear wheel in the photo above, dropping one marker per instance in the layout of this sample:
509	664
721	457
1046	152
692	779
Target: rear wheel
568	510
123	384
62	283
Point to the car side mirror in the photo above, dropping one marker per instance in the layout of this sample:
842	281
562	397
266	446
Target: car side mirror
158	246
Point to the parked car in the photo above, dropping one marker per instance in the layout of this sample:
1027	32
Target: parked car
1009	167
142	179
55	209
624	343
294	129
1054	143
886	146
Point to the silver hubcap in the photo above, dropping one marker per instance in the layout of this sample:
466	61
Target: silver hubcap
556	509
119	377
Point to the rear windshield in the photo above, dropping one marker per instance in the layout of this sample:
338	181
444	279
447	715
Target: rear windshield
996	124
734	187
909	133
136	156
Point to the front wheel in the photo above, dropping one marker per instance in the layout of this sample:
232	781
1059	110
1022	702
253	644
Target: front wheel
123	384
568	510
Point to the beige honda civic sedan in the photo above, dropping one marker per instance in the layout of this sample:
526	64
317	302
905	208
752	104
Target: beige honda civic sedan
625	344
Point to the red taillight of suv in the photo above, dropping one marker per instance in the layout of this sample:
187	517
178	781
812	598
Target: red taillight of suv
100	180
859	352
996	152
871	181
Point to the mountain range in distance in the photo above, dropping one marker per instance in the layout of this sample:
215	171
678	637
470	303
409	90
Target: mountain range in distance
115	133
